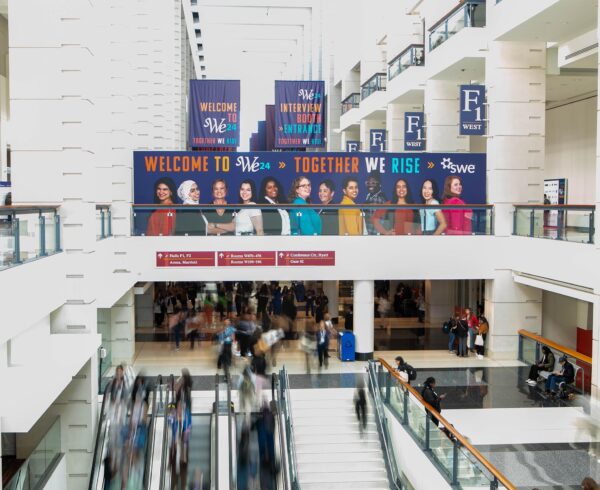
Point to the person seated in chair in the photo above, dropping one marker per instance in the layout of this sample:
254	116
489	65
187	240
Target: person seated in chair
546	363
565	374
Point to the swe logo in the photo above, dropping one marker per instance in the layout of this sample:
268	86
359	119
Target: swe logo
309	95
448	164
214	125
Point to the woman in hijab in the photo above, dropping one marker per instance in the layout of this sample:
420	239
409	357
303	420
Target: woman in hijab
190	222
162	221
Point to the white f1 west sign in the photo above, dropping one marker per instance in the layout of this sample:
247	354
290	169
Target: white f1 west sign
472	110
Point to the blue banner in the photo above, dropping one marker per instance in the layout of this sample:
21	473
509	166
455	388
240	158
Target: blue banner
414	131
352	146
377	141
472	110
214	113
178	168
299	114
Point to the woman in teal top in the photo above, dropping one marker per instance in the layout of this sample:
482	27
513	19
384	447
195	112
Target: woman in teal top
433	221
303	221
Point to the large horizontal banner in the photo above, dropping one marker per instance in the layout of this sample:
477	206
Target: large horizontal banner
214	113
184	169
299	114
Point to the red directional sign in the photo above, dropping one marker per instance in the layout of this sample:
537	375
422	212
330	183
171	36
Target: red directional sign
185	259
306	258
246	259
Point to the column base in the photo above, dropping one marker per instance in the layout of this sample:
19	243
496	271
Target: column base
364	356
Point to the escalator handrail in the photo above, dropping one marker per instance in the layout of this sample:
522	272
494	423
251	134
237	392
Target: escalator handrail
96	464
165	459
150	438
291	441
232	446
215	477
283	450
382	427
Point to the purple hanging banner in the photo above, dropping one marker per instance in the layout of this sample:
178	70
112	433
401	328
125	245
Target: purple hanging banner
214	113
299	114
270	118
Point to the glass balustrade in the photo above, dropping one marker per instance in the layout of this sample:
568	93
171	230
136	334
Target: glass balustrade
28	233
103	222
40	462
312	219
571	223
468	14
461	464
350	102
414	55
374	84
530	352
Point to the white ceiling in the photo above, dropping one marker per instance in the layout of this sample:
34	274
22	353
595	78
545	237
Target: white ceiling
258	42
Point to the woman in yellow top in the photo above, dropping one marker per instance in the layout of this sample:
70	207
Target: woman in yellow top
351	220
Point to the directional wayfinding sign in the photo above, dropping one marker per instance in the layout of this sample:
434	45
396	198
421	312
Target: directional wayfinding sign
306	258
185	259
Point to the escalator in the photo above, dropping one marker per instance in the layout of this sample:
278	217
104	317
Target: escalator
202	462
272	431
142	468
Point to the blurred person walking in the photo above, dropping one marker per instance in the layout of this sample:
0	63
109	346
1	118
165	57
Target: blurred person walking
322	338
360	404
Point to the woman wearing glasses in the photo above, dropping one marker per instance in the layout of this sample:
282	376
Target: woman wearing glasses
303	221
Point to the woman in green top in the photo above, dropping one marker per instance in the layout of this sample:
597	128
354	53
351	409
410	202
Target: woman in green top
303	221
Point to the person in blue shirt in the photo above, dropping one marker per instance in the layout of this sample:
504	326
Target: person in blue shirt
303	221
226	337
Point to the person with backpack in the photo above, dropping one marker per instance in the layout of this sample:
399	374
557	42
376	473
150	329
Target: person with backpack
461	330
448	327
406	371
432	398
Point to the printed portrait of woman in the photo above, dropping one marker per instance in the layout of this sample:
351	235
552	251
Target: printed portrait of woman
275	221
189	222
303	221
162	221
458	220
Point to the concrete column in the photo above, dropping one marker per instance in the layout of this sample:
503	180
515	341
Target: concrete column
364	296
442	117
330	288
122	321
516	84
440	299
510	306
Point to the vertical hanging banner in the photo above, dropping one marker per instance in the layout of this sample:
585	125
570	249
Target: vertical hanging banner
472	110
414	134
352	146
299	114
377	140
214	113
270	118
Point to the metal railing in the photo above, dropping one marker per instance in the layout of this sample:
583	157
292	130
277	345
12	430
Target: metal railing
530	345
414	55
468	14
571	223
103	221
376	83
350	102
397	480
41	462
288	427
167	434
461	463
330	219
28	233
